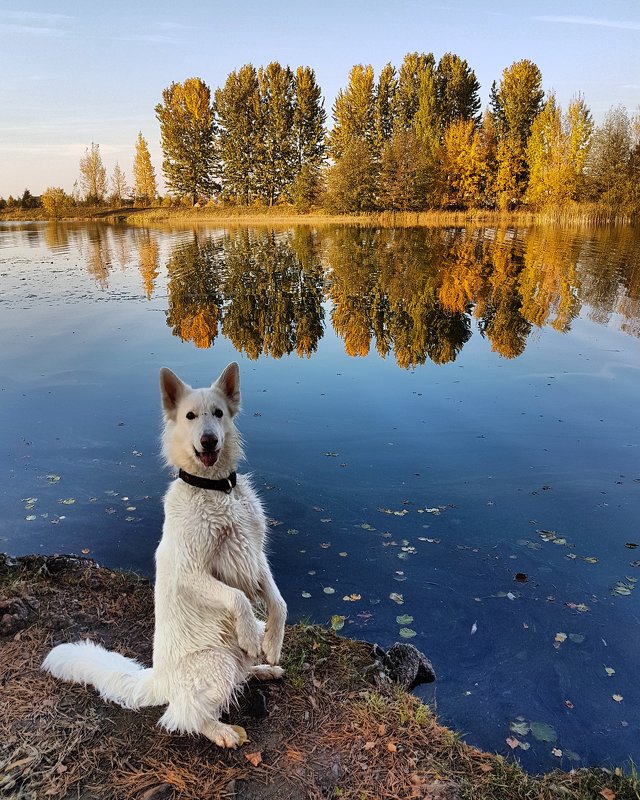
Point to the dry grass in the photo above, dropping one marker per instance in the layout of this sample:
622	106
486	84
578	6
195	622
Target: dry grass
335	728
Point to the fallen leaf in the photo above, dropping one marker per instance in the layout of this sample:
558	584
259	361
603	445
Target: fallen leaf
68	501
337	622
254	758
556	752
306	594
329	590
404	619
519	726
568	703
85	551
391	747
577	638
382	730
369	745
608	794
512	742
610	671
560	638
407	633
474	628
486	768
397	598
617	697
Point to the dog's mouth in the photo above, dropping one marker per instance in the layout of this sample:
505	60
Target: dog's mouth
207	457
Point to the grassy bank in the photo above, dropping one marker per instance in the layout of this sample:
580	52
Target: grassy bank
582	215
333	728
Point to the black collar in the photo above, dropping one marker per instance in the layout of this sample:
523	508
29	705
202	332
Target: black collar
222	485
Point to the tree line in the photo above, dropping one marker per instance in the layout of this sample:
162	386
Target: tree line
412	138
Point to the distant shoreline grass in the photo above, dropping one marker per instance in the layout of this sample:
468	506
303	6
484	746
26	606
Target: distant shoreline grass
579	215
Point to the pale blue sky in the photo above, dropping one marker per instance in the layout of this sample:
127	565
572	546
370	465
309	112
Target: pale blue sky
72	73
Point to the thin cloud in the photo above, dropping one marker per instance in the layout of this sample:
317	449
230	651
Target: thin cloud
32	30
601	23
35	16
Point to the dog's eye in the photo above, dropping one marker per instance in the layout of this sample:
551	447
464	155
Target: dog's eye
190	415
217	412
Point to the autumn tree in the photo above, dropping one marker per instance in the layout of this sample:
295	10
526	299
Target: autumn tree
463	167
237	109
406	181
608	163
187	137
351	183
556	153
515	104
384	111
144	175
119	186
457	90
56	202
93	176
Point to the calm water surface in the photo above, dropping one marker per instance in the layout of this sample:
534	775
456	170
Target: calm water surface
443	424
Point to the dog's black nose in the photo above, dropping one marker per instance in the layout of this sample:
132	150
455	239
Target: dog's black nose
209	442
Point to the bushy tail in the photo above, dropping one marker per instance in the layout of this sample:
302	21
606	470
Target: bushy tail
119	679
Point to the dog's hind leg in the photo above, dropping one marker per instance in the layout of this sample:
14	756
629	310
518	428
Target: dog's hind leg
203	687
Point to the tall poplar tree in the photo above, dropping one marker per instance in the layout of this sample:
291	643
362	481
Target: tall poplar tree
276	164
354	112
238	117
309	118
187	136
144	175
411	75
457	90
118	184
93	175
515	103
385	99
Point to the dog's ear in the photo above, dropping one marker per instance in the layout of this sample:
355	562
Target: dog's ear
171	390
229	384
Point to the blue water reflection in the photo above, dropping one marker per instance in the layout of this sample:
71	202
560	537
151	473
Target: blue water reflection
428	413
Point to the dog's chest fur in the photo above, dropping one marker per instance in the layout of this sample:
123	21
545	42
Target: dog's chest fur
223	533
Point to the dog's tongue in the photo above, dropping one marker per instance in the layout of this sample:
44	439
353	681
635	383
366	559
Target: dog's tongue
208	459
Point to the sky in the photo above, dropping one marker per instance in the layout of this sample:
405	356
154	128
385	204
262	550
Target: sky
75	73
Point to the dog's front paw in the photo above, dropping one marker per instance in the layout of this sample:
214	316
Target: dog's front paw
272	644
249	638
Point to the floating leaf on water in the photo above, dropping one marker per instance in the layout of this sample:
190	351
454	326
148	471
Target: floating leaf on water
337	622
622	589
577	638
631	545
130	508
394	513
617	697
560	540
591	559
68	501
519	727
85	551
325	519
521	577
306	594
407	633
512	742
568	704
325	545
311	572
543	732
403	556
331	455
474	628
272	523
547	536
292	531
404	619
352	598
556	752
53	478
329	590
510	596
343	554
560	637
610	671
31	517
397	598
365	526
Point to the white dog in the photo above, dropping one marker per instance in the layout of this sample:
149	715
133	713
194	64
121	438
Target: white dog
210	567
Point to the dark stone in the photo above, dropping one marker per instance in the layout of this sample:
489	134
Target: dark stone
15	615
407	666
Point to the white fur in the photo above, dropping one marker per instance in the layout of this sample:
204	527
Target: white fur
211	569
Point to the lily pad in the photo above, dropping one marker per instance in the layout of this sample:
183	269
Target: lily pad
543	732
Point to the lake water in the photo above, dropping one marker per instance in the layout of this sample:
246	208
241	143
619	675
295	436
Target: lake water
443	424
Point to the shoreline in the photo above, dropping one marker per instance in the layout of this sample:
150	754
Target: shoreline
580	216
335	726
